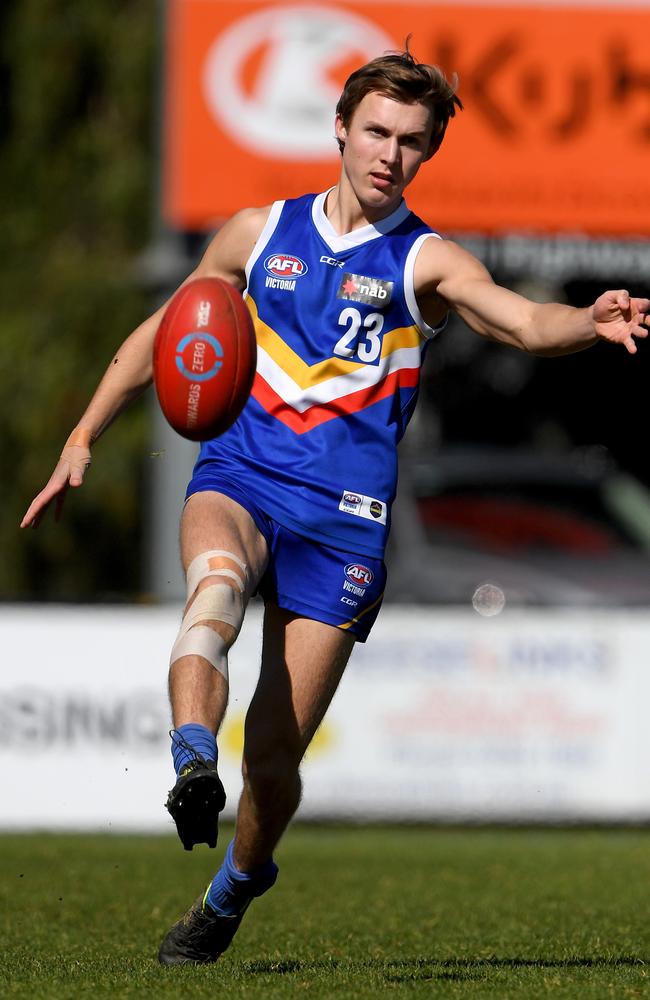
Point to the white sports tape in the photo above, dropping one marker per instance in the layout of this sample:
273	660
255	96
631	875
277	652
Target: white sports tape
202	641
200	568
218	603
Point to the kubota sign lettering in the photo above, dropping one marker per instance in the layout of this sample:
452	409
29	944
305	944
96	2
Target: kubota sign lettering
555	136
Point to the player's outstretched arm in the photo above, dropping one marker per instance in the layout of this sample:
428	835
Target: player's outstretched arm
128	374
131	370
446	271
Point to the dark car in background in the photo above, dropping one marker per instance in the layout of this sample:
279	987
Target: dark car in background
549	529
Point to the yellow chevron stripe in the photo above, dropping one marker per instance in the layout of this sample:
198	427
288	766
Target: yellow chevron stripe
308	375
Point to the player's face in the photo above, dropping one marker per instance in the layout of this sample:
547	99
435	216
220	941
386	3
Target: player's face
385	144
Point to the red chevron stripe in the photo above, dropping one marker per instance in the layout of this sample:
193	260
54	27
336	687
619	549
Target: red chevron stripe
319	413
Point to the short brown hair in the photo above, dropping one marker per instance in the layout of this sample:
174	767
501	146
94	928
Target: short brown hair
400	76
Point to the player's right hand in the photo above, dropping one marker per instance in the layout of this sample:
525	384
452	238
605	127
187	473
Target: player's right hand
69	471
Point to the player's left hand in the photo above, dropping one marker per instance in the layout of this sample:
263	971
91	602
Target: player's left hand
619	318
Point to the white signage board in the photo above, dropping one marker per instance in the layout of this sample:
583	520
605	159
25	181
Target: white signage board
442	715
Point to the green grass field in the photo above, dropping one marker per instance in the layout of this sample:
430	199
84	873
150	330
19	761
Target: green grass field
356	912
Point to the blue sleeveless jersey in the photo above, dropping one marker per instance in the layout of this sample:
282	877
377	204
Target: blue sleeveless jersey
340	343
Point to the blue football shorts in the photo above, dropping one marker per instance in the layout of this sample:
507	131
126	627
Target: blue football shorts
314	580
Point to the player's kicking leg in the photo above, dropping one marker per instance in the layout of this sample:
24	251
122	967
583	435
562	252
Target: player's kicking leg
224	556
302	663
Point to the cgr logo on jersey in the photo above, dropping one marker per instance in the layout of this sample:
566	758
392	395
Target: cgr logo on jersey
283	269
372	291
358	577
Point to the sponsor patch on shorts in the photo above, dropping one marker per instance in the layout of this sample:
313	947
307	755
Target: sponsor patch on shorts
363	506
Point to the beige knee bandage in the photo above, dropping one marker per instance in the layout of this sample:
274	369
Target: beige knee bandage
220	602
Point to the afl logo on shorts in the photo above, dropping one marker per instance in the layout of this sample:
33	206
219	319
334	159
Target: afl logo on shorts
284	265
359	575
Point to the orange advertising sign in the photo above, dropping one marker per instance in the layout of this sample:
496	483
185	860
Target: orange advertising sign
554	138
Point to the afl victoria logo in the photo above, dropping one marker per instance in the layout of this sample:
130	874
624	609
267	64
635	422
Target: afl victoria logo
285	265
272	79
358	574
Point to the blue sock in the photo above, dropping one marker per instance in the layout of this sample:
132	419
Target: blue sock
192	736
231	891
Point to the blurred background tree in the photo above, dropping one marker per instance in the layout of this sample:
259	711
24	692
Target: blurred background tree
77	172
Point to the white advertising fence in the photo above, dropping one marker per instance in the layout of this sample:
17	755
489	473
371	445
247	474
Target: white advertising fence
442	715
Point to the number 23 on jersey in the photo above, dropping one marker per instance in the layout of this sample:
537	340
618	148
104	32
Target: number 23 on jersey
361	340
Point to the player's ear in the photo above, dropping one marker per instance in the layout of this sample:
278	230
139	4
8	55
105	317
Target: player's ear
434	144
340	130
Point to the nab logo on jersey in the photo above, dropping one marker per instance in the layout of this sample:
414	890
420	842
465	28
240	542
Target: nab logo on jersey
359	575
284	265
357	288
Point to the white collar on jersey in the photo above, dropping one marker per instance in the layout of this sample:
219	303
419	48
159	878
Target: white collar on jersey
357	236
